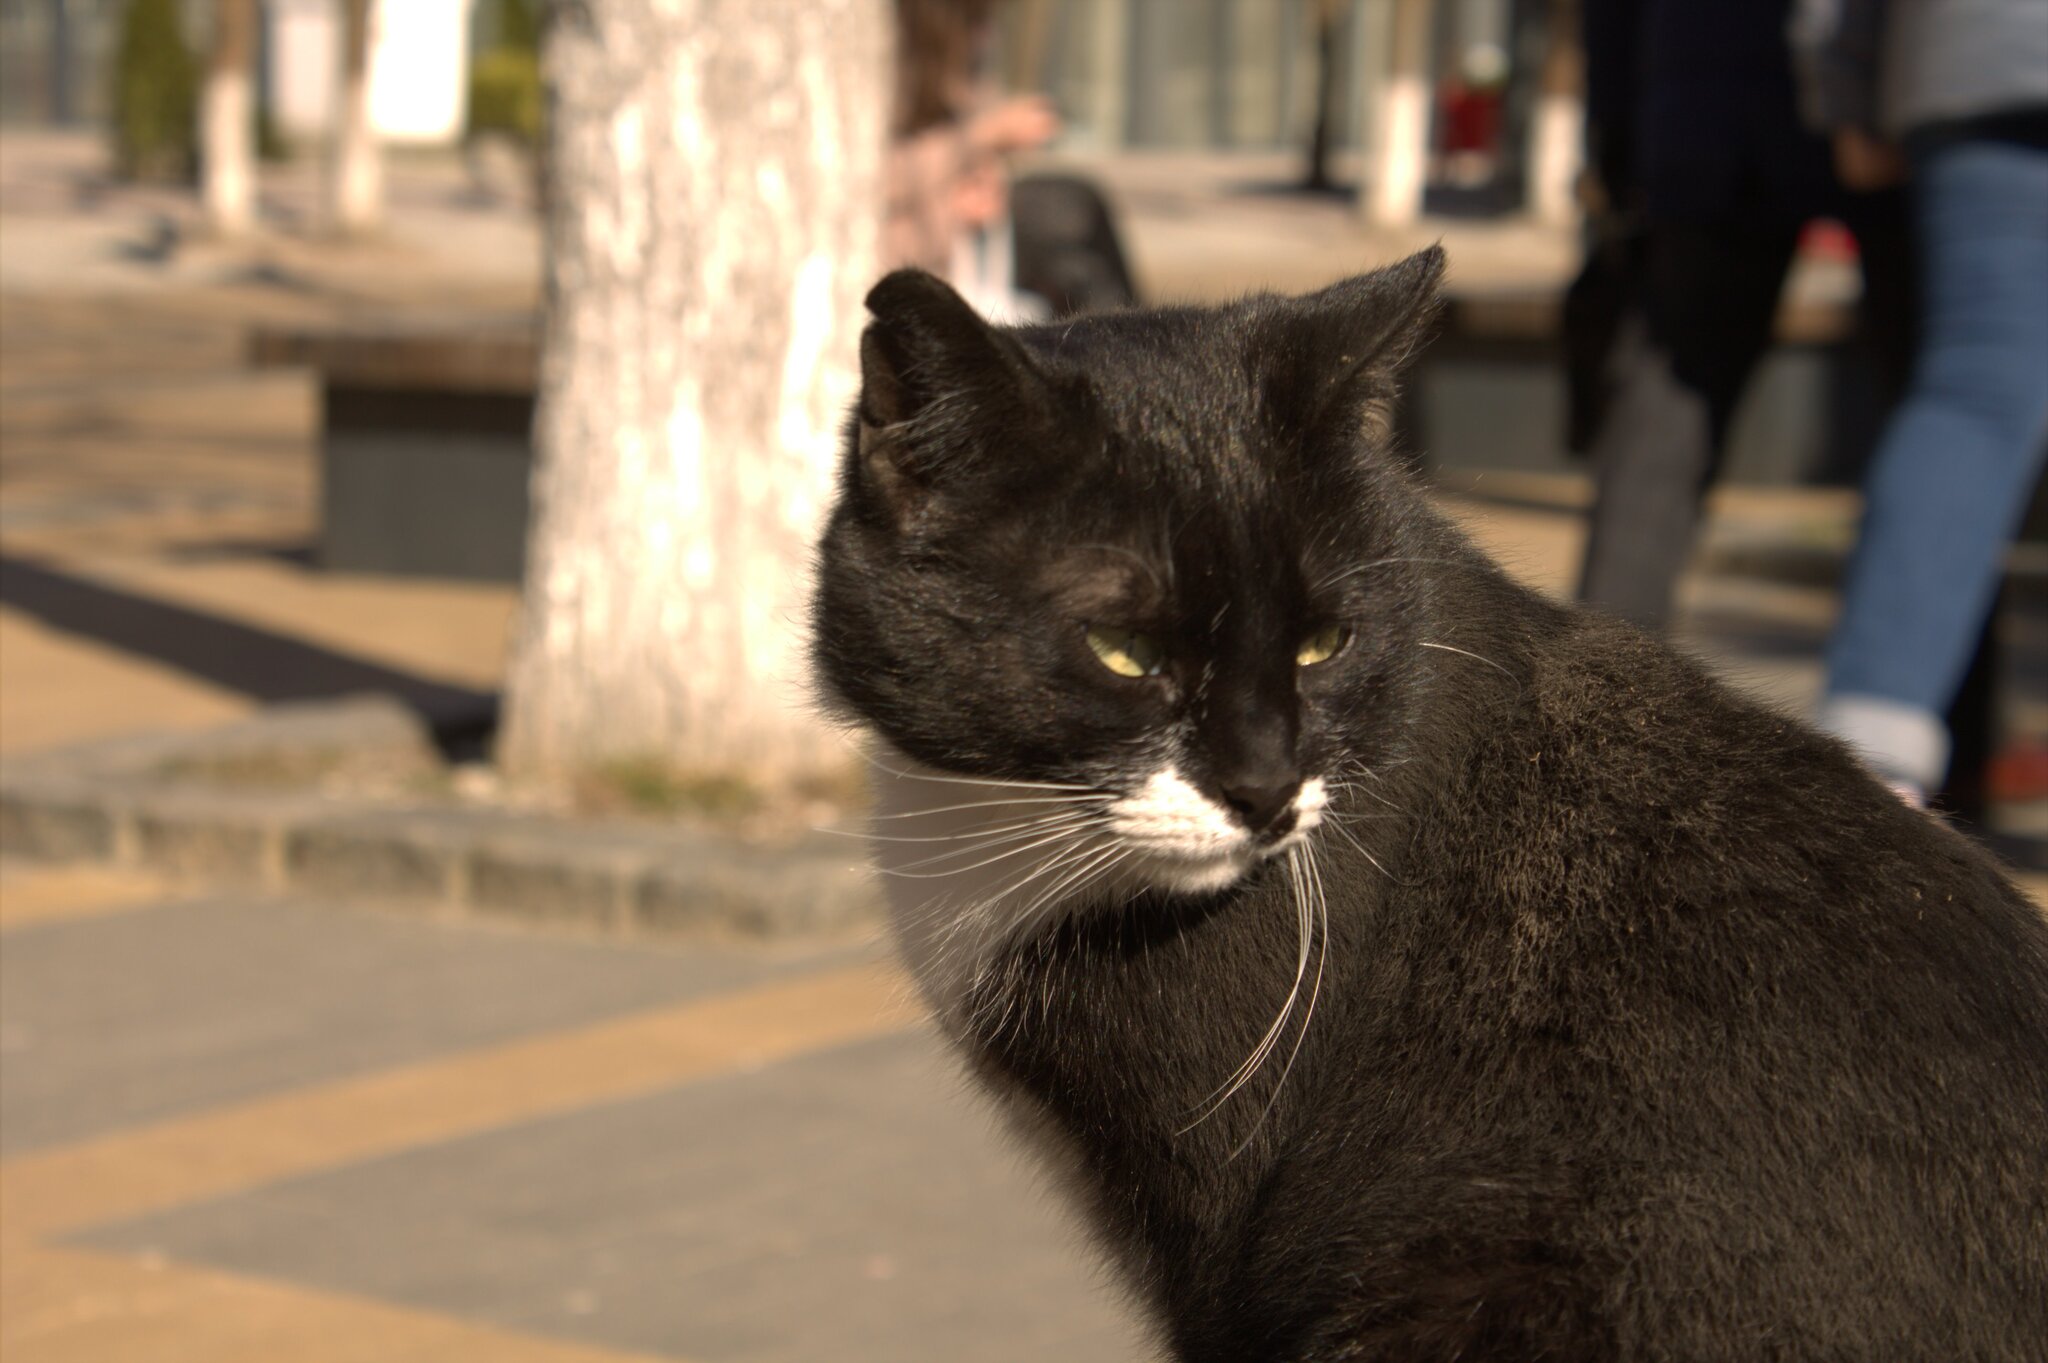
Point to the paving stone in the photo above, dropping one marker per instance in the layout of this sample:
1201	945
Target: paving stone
850	1205
112	1021
379	857
57	825
216	836
593	891
768	892
550	869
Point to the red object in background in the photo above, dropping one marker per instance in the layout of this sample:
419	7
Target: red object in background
1470	118
2018	773
1826	239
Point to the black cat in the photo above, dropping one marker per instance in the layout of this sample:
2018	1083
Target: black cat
1401	965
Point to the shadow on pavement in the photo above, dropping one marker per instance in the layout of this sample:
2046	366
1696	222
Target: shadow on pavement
266	667
294	552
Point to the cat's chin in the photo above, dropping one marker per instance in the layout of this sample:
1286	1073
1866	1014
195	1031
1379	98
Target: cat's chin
1187	875
1170	873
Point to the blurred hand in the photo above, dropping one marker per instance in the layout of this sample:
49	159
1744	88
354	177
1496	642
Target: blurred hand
1865	163
981	194
1020	124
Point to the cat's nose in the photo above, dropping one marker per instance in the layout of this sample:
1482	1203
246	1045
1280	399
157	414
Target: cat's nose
1265	807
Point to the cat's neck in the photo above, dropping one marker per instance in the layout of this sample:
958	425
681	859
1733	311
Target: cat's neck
970	865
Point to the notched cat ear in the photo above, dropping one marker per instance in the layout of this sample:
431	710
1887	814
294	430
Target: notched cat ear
925	340
1363	332
934	375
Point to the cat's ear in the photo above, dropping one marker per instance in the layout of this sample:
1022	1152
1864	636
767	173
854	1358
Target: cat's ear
925	343
935	380
1357	337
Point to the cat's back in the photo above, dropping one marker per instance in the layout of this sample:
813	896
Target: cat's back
1808	1026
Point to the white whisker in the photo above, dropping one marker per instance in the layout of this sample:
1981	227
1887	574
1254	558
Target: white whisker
1468	653
1354	787
1334	578
1043	838
994	828
929	775
1112	852
1252	1063
993	804
1360	818
1315	992
1345	834
974	927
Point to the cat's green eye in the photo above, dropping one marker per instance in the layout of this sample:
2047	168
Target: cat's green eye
1127	652
1325	644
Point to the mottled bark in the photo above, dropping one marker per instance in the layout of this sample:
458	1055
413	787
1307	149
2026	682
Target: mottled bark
714	176
228	142
355	190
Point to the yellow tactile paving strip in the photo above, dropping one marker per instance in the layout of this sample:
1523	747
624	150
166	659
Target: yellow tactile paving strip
254	1143
74	892
60	1305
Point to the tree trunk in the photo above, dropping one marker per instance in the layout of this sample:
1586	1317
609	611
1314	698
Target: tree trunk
1400	160
355	190
1321	132
712	223
227	147
1557	134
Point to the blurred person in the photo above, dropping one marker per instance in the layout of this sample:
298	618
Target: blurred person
1952	97
1704	178
1043	245
1597	300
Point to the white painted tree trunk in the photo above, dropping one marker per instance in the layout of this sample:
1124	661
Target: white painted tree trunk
228	151
715	171
1557	134
1108	112
1399	162
355	190
1557	138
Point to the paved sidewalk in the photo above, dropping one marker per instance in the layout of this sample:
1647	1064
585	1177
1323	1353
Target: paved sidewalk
248	1130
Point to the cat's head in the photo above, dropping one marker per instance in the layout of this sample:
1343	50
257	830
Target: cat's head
1158	562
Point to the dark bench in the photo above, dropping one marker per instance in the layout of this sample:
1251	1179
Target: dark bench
426	444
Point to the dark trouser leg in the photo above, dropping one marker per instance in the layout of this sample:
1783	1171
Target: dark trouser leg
1709	298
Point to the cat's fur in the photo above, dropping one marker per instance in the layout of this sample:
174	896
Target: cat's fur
1644	1024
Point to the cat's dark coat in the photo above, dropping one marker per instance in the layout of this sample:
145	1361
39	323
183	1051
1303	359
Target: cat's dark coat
1648	1027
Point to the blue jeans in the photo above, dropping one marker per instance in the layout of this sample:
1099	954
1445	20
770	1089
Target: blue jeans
1949	482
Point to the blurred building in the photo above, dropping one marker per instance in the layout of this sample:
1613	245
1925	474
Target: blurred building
419	67
54	56
1471	105
1463	106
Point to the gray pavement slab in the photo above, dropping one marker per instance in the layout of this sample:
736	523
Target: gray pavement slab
144	1015
854	1205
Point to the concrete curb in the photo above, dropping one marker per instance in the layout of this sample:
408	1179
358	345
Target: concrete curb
135	803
